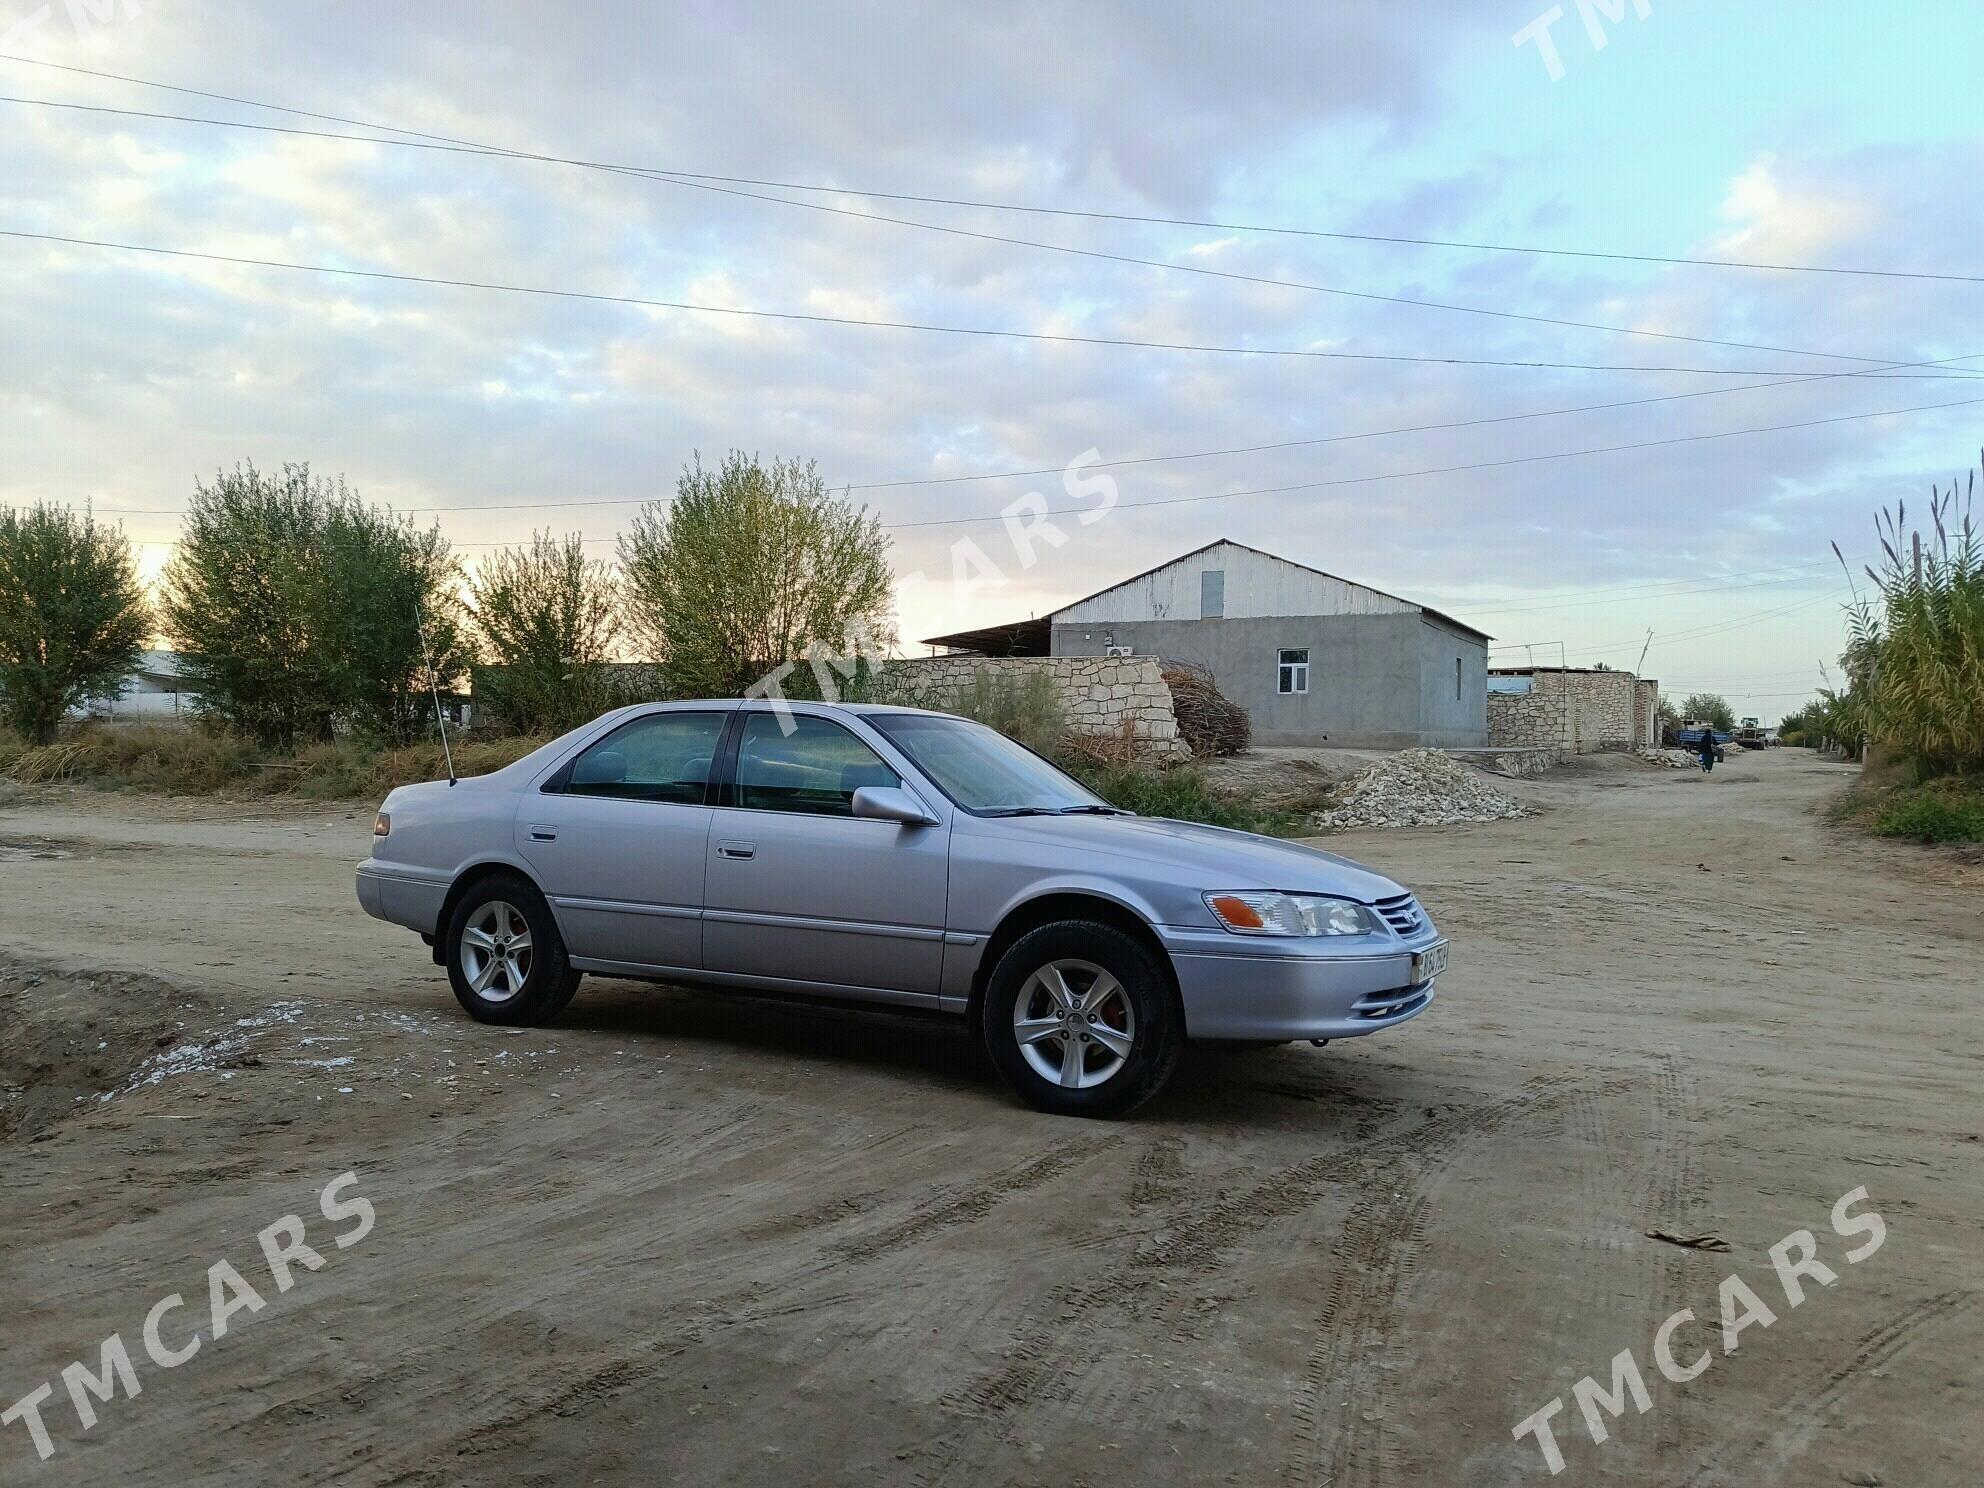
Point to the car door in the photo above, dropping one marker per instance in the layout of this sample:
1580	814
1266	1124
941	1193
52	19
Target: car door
618	838
800	889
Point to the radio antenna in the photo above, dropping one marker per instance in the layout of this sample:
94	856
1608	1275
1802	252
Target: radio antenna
434	686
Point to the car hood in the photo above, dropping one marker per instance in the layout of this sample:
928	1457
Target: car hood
1213	857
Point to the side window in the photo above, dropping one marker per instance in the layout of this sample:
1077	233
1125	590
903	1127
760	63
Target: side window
663	757
817	767
1292	671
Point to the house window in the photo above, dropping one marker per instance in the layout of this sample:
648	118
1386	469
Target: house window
1456	679
1292	673
1212	594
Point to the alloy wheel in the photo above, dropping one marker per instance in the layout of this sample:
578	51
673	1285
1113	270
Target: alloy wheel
1074	1024
496	951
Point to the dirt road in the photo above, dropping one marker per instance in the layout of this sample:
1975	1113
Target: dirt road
695	1239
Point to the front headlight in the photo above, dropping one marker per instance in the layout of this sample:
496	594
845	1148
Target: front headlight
1255	913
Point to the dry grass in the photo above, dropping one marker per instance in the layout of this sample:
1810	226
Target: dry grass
180	760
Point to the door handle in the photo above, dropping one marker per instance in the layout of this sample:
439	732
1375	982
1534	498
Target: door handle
543	834
736	849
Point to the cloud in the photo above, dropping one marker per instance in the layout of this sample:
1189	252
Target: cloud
139	375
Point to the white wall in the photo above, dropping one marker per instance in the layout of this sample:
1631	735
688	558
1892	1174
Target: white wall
1258	585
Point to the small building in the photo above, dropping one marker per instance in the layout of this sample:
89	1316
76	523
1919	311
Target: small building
1313	658
151	691
1575	709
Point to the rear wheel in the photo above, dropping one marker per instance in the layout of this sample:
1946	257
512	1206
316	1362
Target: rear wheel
1081	1020
506	960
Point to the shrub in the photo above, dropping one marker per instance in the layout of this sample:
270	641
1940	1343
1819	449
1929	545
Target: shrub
1184	794
1020	702
371	774
1947	811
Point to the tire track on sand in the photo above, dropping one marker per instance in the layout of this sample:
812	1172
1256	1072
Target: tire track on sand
1338	1437
1767	1461
1057	1343
781	1293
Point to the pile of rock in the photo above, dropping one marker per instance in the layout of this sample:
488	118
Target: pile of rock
1678	759
1417	788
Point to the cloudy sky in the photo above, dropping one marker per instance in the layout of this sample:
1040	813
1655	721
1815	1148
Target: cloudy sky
1838	135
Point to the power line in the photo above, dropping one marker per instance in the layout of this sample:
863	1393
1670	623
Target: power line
1702	632
1143	219
1754	697
465	147
870	323
1353	480
1673	589
600	501
1473	423
1249	449
1357	480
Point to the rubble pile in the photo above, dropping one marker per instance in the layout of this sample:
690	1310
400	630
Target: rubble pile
1417	788
1679	759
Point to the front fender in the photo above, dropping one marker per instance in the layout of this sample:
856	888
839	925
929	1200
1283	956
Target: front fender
965	948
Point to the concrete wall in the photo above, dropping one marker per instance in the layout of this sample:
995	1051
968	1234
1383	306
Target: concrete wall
1577	711
1371	677
1101	694
1452	716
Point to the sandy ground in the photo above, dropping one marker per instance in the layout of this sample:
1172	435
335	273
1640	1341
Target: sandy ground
688	1238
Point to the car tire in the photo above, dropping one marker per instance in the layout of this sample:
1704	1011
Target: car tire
506	960
1081	1019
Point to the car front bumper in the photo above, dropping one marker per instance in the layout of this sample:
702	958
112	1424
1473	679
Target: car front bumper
1311	990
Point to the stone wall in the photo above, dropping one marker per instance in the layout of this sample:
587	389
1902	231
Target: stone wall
1577	711
1646	714
1099	693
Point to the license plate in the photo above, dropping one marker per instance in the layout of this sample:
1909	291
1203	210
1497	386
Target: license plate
1428	963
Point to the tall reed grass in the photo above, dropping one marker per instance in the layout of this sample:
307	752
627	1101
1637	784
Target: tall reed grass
1915	661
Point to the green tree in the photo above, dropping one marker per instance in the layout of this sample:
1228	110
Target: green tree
381	581
548	618
1713	707
72	615
751	567
293	607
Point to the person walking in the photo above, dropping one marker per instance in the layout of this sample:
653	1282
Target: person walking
1706	747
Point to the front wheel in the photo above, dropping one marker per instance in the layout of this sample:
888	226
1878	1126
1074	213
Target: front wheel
506	960
1081	1020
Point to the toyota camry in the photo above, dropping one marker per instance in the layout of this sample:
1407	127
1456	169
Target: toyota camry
896	856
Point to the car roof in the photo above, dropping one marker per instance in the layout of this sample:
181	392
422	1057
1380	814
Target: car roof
798	705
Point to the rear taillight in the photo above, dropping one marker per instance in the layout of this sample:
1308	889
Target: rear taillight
382	825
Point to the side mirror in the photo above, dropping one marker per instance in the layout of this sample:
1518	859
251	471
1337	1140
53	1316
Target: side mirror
891	803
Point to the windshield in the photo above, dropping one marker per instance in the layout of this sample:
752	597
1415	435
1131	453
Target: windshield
981	769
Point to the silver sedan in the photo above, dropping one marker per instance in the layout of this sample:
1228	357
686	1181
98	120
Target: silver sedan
891	855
